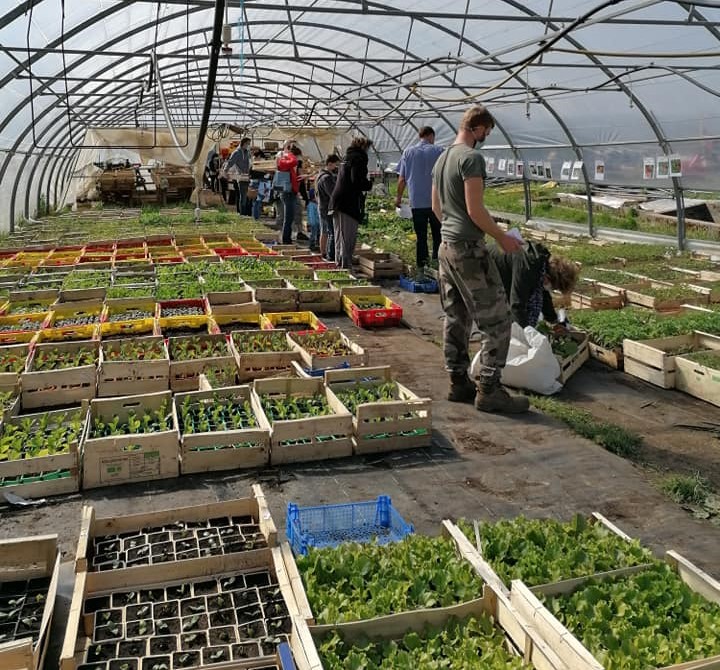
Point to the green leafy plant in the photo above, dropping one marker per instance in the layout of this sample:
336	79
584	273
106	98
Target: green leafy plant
40	435
686	489
133	350
213	414
59	359
255	341
541	551
459	644
352	581
289	407
196	347
151	421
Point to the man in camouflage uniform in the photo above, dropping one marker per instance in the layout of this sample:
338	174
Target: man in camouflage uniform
470	285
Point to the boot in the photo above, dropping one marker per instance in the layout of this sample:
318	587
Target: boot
491	397
462	389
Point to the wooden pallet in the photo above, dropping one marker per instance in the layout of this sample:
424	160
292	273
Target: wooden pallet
404	423
570	650
30	558
121	459
50	388
312	429
121	378
653	360
213	451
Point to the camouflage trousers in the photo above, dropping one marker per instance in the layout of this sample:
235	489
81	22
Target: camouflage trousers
471	290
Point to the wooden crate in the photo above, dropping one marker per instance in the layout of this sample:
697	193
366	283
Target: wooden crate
570	365
78	633
121	459
299	322
697	380
356	356
610	357
25	559
570	650
16	351
27	471
67	386
596	297
243	295
184	374
212	451
325	299
262	364
636	297
403	423
120	378
653	360
380	264
95	527
282	298
315	431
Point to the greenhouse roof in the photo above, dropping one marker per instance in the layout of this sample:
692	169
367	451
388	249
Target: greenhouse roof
567	80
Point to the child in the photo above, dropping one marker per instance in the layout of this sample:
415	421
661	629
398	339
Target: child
313	218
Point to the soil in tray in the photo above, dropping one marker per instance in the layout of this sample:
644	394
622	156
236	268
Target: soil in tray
269	645
245	598
185	555
258	579
98	603
249	613
166	610
245	650
163	645
186	659
124	664
101	652
193	623
222	618
141	628
138	612
179	591
196	640
108	547
186	545
219	602
215	655
275	609
192	606
152	595
156	663
205	588
279	626
167	626
252	630
223	635
130	648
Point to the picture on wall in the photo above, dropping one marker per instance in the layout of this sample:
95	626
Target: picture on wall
548	170
510	168
675	166
662	167
490	165
565	170
576	171
519	168
501	164
648	168
532	168
599	170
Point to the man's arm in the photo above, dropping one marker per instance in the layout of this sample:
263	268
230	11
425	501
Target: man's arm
400	190
474	192
436	206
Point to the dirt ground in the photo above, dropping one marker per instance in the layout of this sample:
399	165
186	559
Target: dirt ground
479	466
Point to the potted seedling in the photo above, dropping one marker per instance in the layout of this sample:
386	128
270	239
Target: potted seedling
132	365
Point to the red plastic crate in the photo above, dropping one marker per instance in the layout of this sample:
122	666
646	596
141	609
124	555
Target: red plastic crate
388	317
228	253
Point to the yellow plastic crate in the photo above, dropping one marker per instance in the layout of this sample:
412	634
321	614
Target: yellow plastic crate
53	332
129	326
22	334
287	320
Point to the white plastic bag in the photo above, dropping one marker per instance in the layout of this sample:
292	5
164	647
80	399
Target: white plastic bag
531	363
404	211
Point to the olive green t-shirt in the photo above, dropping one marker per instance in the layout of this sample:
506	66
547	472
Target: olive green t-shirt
456	164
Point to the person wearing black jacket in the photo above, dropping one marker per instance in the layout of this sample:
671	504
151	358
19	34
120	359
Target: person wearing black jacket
528	277
348	199
325	184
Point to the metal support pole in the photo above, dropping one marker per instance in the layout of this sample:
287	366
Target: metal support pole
680	204
528	195
591	223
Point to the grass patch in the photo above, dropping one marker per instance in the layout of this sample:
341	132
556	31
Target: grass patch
609	436
686	489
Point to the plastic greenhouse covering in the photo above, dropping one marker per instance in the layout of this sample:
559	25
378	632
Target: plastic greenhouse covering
567	80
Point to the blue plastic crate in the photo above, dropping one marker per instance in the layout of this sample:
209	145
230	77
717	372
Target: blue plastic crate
331	525
427	286
320	372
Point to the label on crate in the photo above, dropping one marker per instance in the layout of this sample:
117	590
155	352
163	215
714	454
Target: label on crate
130	466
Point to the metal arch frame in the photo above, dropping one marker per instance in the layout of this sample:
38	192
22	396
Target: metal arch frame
660	136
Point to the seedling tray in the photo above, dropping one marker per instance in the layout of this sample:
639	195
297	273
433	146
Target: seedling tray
215	449
402	423
331	525
569	365
128	377
597	297
297	322
29	569
12	359
701	380
322	298
362	312
309	344
253	364
227	318
66	386
39	476
379	264
120	459
184	373
258	584
110	325
305	439
570	650
19	329
55	330
248	528
182	320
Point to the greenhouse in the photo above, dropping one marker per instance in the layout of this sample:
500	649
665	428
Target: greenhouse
347	334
